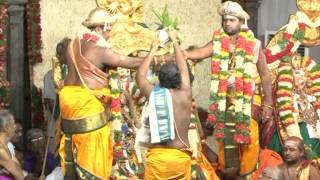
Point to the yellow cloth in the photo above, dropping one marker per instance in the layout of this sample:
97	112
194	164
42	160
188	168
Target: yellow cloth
94	151
248	154
207	168
166	164
304	173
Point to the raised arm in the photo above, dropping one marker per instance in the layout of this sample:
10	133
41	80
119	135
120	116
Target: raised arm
114	59
265	78
198	54
12	167
181	63
266	81
141	77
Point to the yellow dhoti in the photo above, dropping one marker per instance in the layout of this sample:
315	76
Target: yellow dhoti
248	154
92	151
207	168
166	164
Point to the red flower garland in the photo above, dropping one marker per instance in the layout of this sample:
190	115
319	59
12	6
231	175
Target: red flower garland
4	84
34	31
34	45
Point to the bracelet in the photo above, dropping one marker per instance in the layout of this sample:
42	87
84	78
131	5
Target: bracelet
268	106
175	41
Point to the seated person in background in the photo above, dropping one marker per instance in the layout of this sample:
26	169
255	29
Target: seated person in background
296	167
9	165
34	156
169	156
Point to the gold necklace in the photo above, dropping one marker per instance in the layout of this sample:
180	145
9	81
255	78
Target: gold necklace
231	63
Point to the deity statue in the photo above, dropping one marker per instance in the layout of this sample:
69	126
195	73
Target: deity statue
297	104
128	35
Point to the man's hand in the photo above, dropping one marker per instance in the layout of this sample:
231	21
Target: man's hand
267	120
173	34
154	46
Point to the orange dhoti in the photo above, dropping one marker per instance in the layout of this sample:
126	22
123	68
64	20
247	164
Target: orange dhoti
91	151
166	164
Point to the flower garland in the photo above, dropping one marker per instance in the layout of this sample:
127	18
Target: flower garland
4	84
284	94
115	107
34	31
285	88
34	45
285	46
244	59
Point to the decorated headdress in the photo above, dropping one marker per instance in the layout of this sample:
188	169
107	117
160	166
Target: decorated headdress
233	9
99	17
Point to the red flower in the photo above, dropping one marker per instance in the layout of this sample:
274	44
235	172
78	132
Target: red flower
247	88
220	125
37	19
302	26
241	126
317	105
219	135
287	36
223	85
239	84
285	79
86	36
38	29
238	138
211	118
90	37
241	41
213	107
249	46
225	44
94	38
289	47
116	104
215	67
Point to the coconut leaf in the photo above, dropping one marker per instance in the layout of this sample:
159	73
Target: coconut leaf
165	20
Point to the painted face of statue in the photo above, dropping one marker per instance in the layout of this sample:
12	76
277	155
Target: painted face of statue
300	80
231	24
299	73
123	73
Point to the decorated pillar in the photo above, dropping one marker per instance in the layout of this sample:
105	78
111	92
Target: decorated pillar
17	69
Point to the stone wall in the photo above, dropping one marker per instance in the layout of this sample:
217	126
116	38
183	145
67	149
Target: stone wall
62	18
59	19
